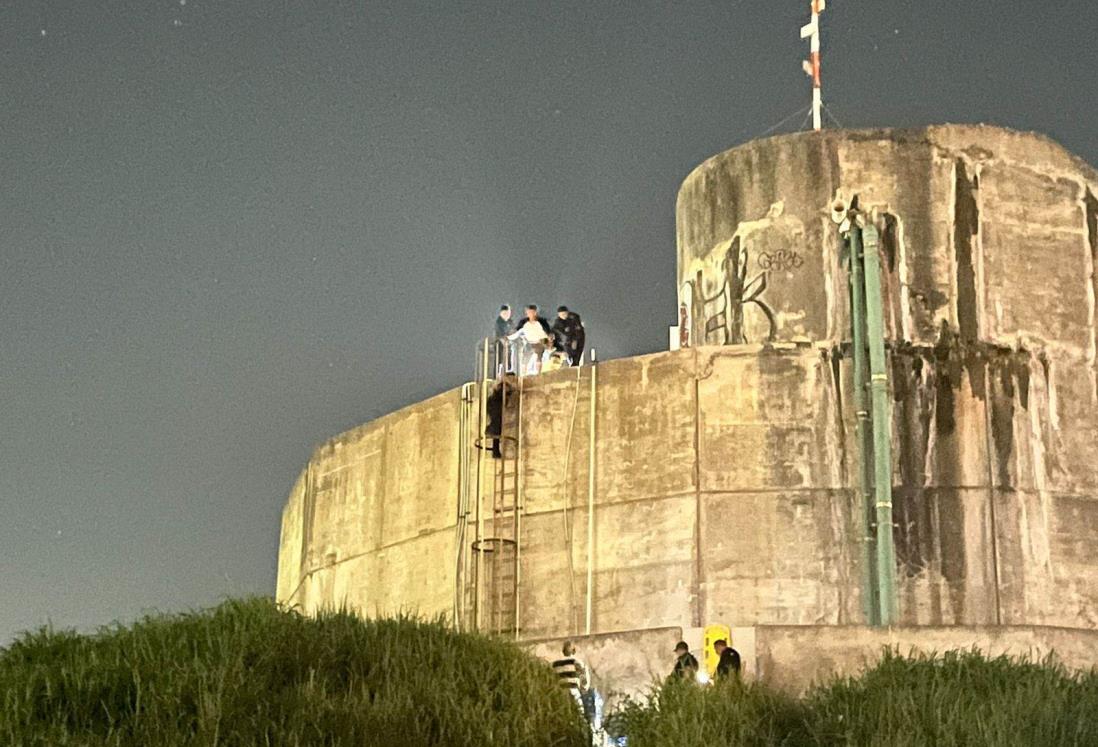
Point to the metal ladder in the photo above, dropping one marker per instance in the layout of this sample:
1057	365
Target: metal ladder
489	508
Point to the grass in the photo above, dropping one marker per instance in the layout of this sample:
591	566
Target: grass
682	714
955	699
248	673
926	700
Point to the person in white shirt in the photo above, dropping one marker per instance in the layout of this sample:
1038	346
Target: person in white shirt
535	335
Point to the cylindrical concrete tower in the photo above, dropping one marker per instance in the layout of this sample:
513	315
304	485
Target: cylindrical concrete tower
718	485
988	244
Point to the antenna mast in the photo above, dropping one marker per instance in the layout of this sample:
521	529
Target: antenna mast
811	66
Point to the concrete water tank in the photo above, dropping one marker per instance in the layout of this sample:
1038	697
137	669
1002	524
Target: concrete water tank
721	475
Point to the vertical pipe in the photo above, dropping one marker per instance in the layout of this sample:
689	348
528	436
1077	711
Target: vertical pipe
459	541
503	486
591	497
863	430
882	427
499	506
482	426
700	599
517	516
991	491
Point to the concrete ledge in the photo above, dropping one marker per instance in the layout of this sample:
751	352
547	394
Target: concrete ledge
621	663
793	658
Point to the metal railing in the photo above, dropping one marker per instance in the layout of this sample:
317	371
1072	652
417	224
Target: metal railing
514	357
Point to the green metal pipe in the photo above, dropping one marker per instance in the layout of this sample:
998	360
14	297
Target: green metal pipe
863	430
882	427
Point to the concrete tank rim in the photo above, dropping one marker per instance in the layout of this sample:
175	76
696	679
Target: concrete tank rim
924	132
746	350
750	349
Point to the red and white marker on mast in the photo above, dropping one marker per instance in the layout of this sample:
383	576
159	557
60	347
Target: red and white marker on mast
811	66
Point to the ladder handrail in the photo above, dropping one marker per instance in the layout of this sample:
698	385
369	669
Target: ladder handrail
480	596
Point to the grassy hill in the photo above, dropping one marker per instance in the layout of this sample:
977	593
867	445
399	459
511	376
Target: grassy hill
247	673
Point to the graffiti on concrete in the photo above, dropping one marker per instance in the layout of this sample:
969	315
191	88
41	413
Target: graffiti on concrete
723	312
754	285
780	260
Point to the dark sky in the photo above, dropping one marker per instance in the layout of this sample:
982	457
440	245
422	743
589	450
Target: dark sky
232	228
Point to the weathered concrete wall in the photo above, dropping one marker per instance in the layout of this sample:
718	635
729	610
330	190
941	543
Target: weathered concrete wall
719	494
989	231
626	663
702	509
989	240
722	495
837	651
370	523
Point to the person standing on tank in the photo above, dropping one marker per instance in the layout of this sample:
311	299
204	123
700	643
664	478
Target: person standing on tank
533	334
569	334
504	327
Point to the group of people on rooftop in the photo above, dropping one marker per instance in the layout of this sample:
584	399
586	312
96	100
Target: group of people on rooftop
533	345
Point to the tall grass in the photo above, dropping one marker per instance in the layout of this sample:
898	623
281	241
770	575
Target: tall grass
248	673
957	698
950	700
685	715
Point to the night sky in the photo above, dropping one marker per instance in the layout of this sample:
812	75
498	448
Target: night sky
230	229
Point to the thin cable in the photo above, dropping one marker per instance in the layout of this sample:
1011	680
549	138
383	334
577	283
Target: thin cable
831	114
807	119
567	512
779	124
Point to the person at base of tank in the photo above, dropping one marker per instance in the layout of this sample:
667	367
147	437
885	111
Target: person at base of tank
728	666
572	673
569	334
686	666
533	335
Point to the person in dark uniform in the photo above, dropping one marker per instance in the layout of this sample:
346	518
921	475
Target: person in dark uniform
494	410
728	666
686	666
569	334
504	327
